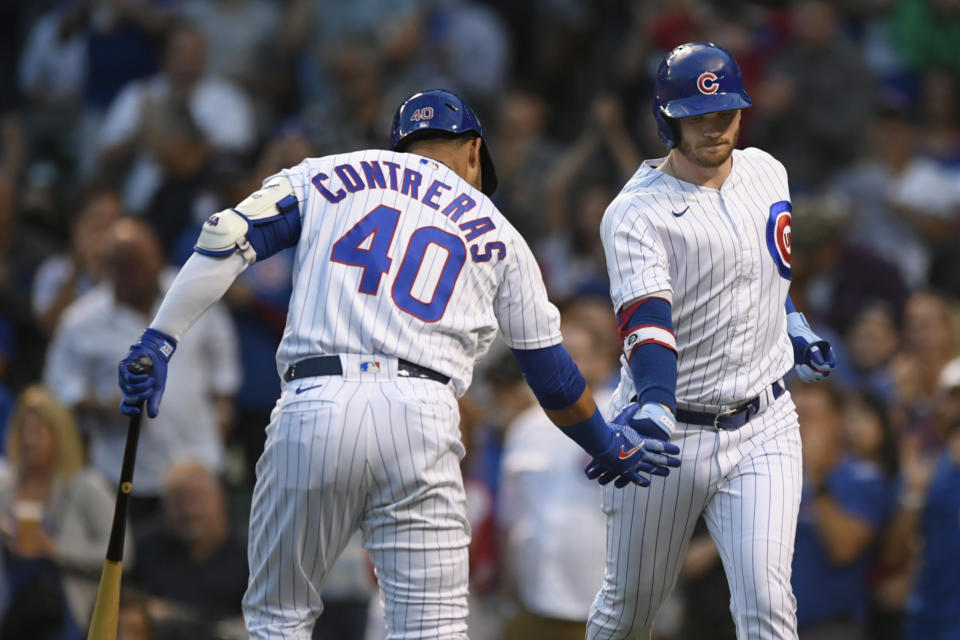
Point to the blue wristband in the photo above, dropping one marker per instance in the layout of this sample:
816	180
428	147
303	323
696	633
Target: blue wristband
592	434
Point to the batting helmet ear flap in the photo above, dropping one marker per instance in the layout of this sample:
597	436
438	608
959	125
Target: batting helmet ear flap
489	173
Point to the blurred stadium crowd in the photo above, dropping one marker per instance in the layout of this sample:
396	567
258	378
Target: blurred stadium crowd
125	123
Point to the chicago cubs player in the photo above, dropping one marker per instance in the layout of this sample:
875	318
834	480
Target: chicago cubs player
404	271
698	252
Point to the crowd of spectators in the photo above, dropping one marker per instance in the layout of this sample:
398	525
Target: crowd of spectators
125	123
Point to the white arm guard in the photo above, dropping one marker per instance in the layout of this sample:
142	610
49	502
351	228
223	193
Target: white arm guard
225	232
201	282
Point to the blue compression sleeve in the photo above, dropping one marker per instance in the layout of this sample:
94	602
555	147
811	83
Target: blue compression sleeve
653	363
557	383
551	373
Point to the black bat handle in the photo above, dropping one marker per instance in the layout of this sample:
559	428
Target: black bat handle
141	365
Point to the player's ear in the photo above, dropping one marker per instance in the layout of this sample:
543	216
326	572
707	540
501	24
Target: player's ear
473	147
474	166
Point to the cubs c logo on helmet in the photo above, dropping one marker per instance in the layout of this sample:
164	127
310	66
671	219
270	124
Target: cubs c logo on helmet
707	83
778	236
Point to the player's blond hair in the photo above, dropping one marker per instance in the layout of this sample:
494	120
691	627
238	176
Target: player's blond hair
37	400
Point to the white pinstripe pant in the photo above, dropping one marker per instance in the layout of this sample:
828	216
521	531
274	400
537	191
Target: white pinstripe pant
380	455
747	485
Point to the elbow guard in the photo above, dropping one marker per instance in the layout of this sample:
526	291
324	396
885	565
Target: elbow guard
264	223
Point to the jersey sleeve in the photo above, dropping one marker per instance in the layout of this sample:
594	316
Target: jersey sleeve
636	259
526	316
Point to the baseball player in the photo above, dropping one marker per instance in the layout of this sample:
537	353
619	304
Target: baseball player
404	271
698	252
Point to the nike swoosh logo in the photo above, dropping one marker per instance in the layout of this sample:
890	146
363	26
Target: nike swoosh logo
302	389
626	454
677	214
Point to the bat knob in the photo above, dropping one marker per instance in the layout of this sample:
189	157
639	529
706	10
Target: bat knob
141	365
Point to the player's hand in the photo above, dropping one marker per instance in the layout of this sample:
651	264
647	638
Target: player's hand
813	356
639	445
139	387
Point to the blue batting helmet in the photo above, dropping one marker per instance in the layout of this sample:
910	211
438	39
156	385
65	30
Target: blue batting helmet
439	110
694	79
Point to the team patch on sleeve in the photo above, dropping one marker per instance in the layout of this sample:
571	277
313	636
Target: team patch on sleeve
647	334
779	226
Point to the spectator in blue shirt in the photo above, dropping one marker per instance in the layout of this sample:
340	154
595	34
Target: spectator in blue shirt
842	508
928	518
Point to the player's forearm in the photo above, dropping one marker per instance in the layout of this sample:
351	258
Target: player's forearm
844	536
581	410
901	536
201	282
562	392
646	335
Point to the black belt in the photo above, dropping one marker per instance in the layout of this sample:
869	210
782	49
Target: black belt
331	366
732	418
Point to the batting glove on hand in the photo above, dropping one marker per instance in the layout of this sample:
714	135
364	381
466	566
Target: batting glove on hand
813	356
137	387
640	443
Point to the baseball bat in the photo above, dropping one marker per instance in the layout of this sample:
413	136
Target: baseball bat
106	609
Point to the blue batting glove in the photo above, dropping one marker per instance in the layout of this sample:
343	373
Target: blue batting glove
140	387
653	420
638	446
813	356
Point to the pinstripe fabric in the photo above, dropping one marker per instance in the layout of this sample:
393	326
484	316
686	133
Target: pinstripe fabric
747	484
367	449
707	251
381	456
713	263
329	315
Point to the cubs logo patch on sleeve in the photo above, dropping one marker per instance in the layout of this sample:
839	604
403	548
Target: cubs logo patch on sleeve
778	236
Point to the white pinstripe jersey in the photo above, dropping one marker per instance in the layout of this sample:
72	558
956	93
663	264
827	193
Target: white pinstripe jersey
723	258
399	256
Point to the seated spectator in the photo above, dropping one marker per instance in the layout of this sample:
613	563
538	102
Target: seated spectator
872	341
483	422
903	203
64	277
240	35
526	152
186	194
194	561
51	72
869	433
926	520
572	256
842	509
927	344
554	530
94	333
56	518
222	114
795	116
833	278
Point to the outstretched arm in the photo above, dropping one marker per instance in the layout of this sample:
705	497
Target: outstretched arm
563	393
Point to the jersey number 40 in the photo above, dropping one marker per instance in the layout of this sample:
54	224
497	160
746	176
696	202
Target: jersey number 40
367	245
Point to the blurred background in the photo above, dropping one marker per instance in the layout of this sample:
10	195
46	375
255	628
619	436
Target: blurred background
125	123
